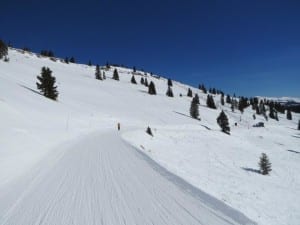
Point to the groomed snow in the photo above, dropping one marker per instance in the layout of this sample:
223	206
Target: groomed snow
43	143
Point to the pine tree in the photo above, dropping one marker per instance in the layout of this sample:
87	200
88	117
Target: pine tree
222	100
72	60
149	131
133	81
232	106
288	114
3	49
170	84
134	69
104	76
264	164
299	125
210	102
146	82
190	93
142	81
194	108
228	99
98	73
90	63
196	99
67	60
116	75
151	88
169	92
222	120
46	85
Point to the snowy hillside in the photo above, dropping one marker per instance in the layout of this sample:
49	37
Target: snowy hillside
63	162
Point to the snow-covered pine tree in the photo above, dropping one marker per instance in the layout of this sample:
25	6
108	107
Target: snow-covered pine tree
142	80
264	164
116	74
46	85
222	120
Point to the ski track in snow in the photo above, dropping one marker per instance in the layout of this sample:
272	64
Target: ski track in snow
116	184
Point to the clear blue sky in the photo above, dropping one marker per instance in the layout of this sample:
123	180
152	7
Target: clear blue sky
247	47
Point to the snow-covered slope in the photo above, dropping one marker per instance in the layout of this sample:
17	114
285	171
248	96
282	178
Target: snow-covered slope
36	132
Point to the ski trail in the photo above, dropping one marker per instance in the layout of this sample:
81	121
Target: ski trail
103	180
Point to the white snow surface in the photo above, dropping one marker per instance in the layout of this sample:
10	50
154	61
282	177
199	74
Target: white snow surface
64	162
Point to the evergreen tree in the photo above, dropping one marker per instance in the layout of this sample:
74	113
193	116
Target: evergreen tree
98	73
46	85
169	92
264	164
196	99
232	106
142	81
67	60
133	81
146	82
134	69
194	109
72	60
116	75
190	93
151	89
90	63
272	114
298	124
104	76
3	49
228	99
210	102
170	84
288	114
149	131
222	100
222	120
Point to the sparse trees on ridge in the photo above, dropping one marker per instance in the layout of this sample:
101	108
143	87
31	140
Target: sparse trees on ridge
170	84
